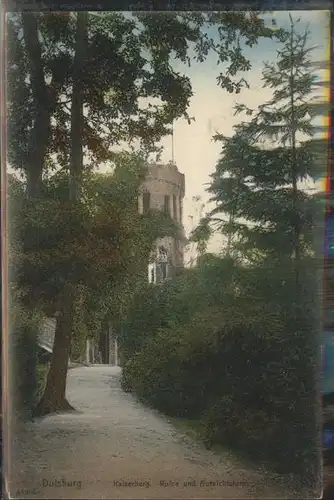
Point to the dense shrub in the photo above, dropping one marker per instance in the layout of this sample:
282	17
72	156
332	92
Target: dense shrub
229	422
153	309
127	376
244	364
175	303
157	377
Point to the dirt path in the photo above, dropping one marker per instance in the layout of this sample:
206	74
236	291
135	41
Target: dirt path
118	448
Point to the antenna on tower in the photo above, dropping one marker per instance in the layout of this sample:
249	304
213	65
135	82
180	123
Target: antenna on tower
173	141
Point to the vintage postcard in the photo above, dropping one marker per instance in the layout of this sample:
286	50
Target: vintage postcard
165	185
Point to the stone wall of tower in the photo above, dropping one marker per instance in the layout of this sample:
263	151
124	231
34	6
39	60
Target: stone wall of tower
166	181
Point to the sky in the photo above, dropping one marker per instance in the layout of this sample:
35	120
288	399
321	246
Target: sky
195	154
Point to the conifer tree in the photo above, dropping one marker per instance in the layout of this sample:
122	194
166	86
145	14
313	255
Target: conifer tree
263	185
257	181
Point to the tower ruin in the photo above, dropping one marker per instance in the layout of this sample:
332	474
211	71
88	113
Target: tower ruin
164	189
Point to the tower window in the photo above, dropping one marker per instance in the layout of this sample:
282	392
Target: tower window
167	204
163	254
146	202
174	207
164	270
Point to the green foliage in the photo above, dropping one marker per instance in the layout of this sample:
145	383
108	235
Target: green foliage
255	181
224	345
132	56
151	309
100	245
201	235
161	308
80	331
155	309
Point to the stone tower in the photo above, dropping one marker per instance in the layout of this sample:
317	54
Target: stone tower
164	189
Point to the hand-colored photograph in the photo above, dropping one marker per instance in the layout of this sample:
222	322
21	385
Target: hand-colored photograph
165	207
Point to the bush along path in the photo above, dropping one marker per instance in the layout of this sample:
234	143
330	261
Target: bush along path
115	447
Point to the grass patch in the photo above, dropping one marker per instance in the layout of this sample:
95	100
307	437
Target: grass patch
195	430
191	428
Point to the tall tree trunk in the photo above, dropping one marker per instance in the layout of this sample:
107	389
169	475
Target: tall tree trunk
44	102
54	397
229	235
77	118
37	146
